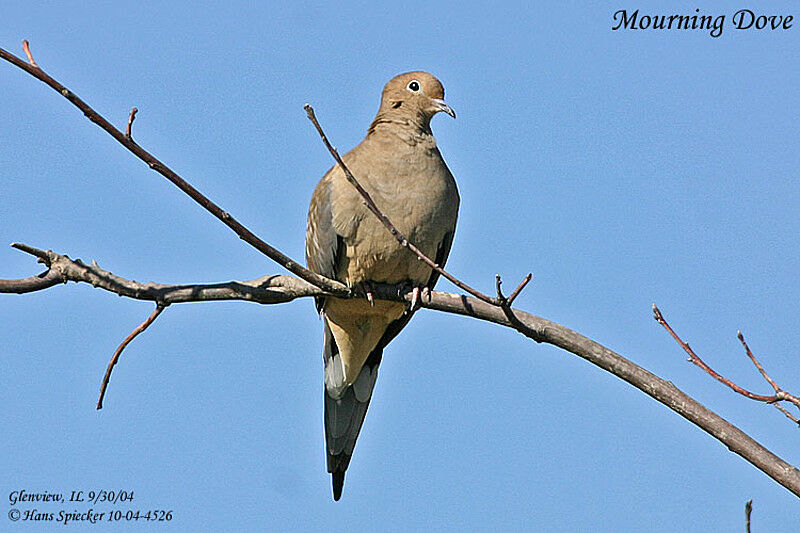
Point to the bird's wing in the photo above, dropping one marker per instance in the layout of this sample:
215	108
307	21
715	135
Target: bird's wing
324	247
442	253
344	416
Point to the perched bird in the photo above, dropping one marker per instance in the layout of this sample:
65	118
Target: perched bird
401	168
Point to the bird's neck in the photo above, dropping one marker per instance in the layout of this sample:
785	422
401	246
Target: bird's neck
410	129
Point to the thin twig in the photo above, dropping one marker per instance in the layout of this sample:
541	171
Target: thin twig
114	358
131	118
505	305
755	362
779	395
788	415
498	287
385	220
519	289
694	358
330	286
43	256
748	508
27	49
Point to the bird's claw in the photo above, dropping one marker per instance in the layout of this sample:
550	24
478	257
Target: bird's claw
414	299
368	292
417	293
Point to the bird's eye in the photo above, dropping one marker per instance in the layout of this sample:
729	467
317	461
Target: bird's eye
413	86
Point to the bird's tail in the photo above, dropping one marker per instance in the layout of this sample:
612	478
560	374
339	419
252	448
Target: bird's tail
345	409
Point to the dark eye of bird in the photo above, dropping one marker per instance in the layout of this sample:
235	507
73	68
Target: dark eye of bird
413	86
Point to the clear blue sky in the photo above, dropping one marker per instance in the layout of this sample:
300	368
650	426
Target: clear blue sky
621	168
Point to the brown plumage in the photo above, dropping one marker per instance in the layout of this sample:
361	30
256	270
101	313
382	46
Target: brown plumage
399	164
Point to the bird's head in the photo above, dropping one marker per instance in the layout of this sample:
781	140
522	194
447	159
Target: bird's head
414	95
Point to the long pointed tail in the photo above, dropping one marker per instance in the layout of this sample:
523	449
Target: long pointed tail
344	415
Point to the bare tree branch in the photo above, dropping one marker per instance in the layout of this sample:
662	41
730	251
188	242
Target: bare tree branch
33	283
276	289
61	269
331	286
114	358
780	395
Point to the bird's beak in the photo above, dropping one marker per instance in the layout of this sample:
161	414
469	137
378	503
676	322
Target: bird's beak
441	106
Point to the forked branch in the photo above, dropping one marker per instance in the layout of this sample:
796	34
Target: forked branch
773	399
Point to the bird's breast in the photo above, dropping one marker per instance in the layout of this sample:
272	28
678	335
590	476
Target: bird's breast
418	196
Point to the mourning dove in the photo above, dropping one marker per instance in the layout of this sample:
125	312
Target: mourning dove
400	166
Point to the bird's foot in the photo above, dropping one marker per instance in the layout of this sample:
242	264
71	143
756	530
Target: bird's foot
418	291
